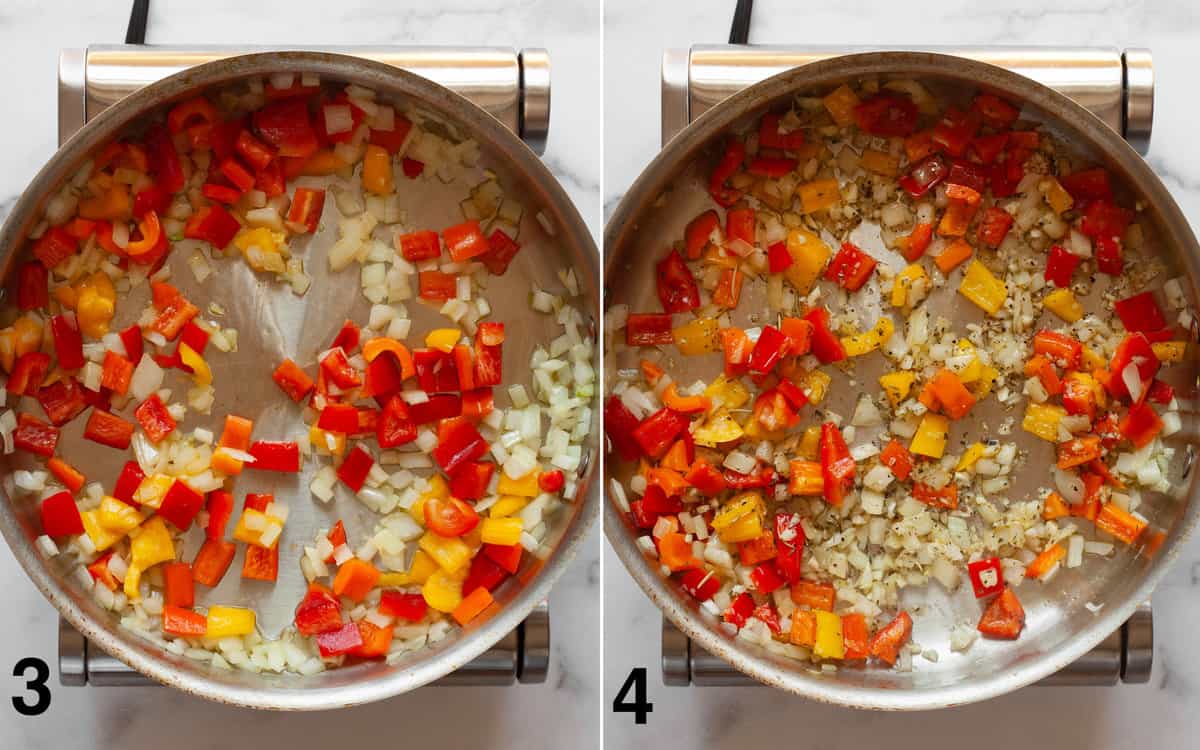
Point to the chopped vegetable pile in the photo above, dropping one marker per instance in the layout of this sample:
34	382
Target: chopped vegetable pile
464	483
926	263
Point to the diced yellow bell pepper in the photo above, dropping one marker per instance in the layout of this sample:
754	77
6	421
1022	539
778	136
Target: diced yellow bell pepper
224	622
755	431
840	103
152	490
419	571
526	486
1042	420
252	524
981	386
450	553
327	443
377	170
819	195
829	643
1062	303
270	244
437	488
442	591
1056	195
870	340
503	531
981	287
896	385
809	256
507	505
27	335
118	517
740	519
201	373
150	545
93	311
810	443
720	428
697	336
880	162
904	282
1092	360
443	339
8	348
815	385
101	537
930	439
728	391
1169	352
973	369
970	457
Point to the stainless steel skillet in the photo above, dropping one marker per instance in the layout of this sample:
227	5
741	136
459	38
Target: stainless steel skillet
672	190
273	324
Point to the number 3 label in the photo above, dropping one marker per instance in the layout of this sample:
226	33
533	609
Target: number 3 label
35	685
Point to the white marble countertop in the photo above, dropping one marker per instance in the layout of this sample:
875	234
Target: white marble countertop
1160	714
535	716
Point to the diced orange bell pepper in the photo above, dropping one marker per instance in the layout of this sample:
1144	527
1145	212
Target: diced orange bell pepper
886	643
377	170
183	622
671	481
1120	523
953	256
651	371
261	563
676	458
855	636
1043	563
675	551
65	473
1054	507
806	479
757	550
375	640
804	628
684	404
471	605
236	434
953	397
1078	451
355	579
816	595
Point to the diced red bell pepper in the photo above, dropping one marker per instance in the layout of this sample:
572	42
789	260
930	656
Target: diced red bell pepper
156	421
151	199
286	125
183	622
470	482
825	345
240	177
393	140
987	577
319	611
1160	393
420	245
994	226
355	468
304	214
772	346
507	557
771	166
127	483
648	329
220	509
987	148
677	288
1088	185
436	370
619	426
1140	313
33	290
180	505
477	403
551	481
60	515
459	443
850	268
339	418
765	578
1061	349
1060	266
28	373
501	251
837	465
994	110
212	561
489	338
789	545
702	231
1110	258
955	130
917	242
436	286
886	114
345	639
271	455
740	610
1104	219
108	429
261	563
395	426
769	135
769	616
220	193
1134	349
778	257
924	176
701	584
945	497
117	373
35	436
62	401
465	241
212	224
741	224
384	376
1004	617
1141	425
970	175
439	406
773	411
731	161
408	607
411	167
68	342
449	516
485	573
657	432
338	369
897	458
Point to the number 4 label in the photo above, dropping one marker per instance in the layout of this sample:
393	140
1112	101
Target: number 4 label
639	706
